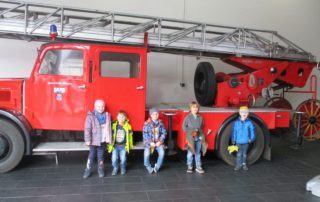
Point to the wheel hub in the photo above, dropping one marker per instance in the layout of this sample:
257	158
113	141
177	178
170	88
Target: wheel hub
4	147
312	120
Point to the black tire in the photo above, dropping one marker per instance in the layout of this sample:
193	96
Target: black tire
205	84
255	150
12	146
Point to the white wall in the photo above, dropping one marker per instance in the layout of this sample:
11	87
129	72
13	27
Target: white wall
297	20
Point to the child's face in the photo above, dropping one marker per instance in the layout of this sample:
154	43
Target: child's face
99	107
244	114
154	116
194	109
121	118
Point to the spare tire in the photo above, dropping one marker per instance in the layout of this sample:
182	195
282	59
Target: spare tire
205	84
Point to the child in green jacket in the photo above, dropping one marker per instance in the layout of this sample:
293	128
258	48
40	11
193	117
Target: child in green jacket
122	142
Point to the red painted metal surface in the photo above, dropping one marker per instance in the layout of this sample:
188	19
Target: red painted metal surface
294	73
10	94
214	120
258	74
56	101
128	94
313	88
46	107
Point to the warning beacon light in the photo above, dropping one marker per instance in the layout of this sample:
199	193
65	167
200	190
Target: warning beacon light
53	32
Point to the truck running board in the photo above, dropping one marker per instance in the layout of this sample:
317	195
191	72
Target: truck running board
52	148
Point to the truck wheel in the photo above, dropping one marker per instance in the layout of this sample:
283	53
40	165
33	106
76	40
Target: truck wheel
205	84
310	122
255	149
11	146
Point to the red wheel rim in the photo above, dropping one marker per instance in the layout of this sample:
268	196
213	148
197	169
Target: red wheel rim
278	102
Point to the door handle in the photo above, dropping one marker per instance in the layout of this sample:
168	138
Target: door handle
83	87
140	88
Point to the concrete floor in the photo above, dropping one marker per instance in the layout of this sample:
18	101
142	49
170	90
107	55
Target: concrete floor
37	178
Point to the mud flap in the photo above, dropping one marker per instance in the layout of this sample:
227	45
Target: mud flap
267	153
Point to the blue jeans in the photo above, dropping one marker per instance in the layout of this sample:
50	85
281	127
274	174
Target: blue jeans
197	149
119	151
146	159
96	151
242	154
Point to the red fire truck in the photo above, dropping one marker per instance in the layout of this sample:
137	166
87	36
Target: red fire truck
98	54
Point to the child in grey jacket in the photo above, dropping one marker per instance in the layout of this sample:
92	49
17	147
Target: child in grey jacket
195	138
97	133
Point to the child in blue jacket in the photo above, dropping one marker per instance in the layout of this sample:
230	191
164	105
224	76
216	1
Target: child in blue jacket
243	134
154	135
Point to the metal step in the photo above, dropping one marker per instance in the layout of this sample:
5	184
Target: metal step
52	148
68	146
60	146
31	21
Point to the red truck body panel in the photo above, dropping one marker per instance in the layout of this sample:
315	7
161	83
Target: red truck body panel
61	102
11	94
214	118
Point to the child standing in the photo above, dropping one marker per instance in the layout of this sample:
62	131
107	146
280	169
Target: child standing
97	133
195	138
154	134
243	134
122	142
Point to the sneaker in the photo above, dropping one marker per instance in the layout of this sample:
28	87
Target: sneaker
150	170
237	168
87	173
199	170
190	169
155	169
101	172
123	171
114	172
245	167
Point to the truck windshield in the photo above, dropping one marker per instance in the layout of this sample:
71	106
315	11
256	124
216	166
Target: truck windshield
62	62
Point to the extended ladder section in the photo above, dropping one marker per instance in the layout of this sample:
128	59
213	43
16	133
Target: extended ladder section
32	21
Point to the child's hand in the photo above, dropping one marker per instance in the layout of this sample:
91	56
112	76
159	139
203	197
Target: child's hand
158	144
152	144
209	131
87	143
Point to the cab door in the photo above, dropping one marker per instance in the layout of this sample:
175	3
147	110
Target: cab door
56	94
120	80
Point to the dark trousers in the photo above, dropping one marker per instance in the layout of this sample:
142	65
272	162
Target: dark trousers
242	154
98	151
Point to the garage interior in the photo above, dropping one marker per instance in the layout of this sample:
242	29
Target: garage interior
40	178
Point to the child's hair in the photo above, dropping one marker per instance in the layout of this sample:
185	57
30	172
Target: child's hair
244	109
193	103
98	101
123	113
